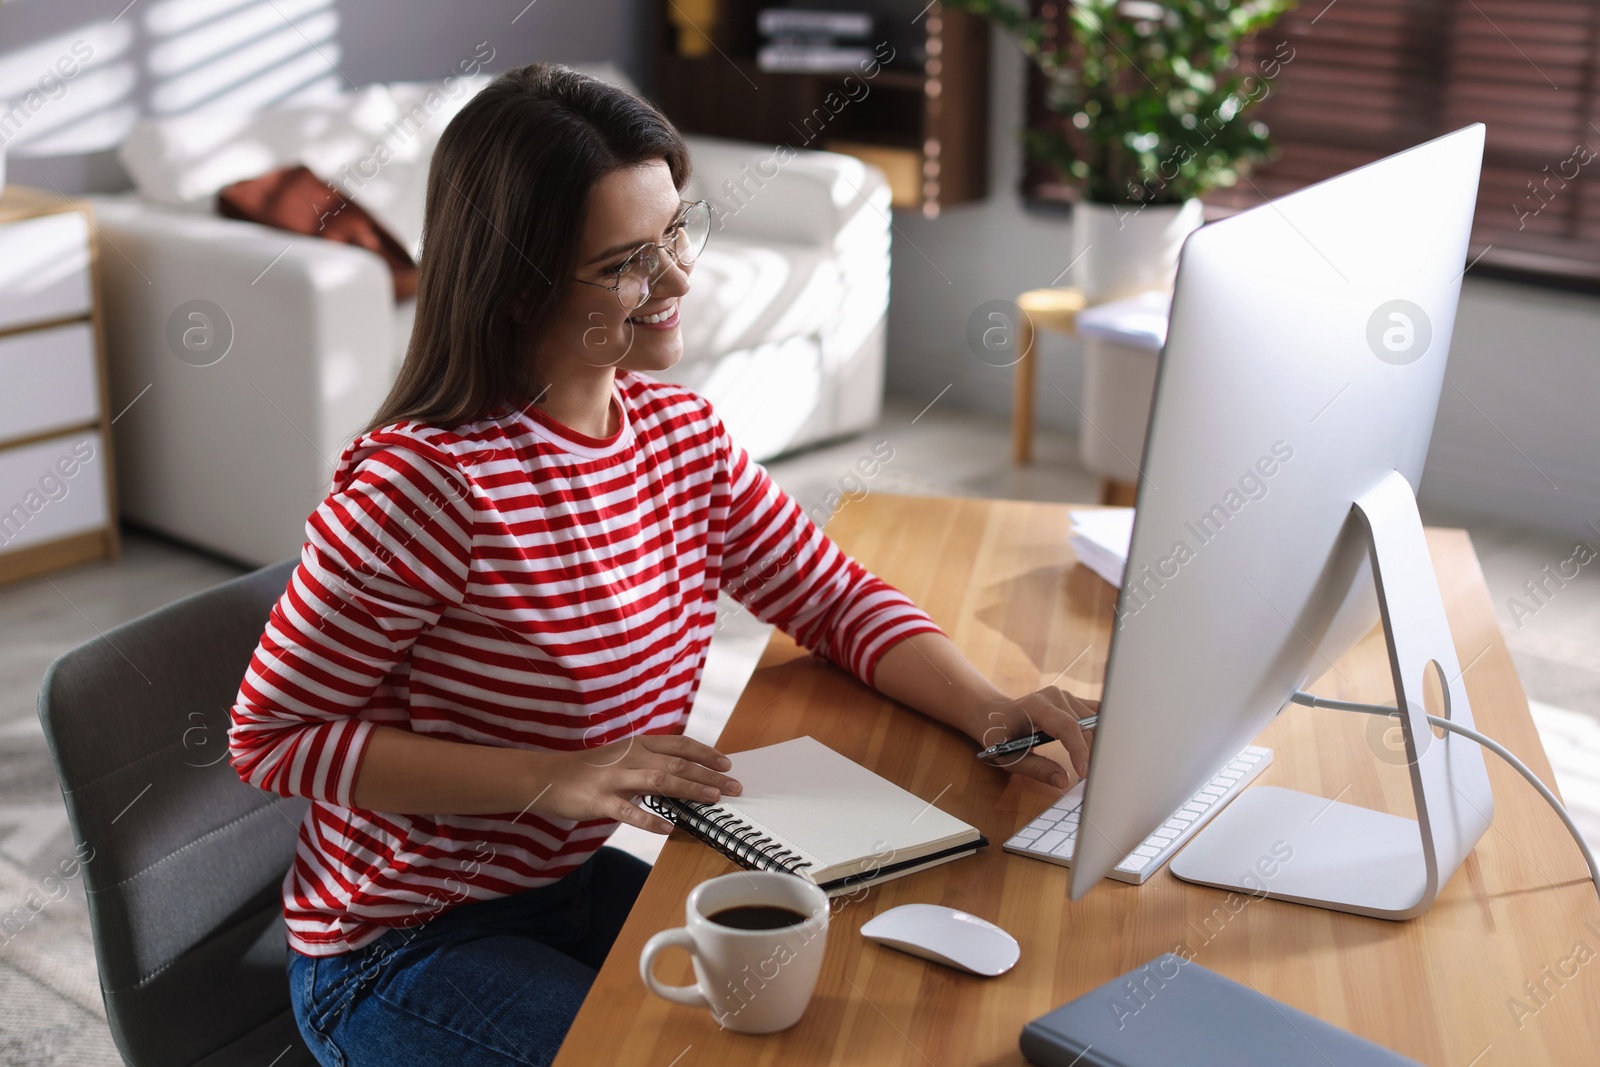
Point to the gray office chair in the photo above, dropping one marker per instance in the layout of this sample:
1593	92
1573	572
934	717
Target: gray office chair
183	881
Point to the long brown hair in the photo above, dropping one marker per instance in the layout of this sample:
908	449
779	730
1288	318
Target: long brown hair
507	193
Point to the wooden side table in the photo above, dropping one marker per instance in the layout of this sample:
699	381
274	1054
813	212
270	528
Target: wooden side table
1050	309
57	506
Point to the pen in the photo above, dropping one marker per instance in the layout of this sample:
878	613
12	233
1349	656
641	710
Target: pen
1023	744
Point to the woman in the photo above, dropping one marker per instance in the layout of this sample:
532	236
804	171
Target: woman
500	616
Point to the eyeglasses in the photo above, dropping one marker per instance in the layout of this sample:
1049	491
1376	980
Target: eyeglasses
640	271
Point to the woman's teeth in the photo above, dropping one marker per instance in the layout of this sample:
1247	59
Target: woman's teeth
662	316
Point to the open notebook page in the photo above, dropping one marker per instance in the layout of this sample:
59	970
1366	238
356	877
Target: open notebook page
838	814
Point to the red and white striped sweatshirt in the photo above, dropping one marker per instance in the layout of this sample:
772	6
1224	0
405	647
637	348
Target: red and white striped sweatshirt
512	582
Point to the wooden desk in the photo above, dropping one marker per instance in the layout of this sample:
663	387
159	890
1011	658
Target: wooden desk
1000	578
1048	309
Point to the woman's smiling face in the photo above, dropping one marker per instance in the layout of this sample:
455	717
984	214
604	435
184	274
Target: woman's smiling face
629	207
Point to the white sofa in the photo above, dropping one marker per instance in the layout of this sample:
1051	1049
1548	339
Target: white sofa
783	328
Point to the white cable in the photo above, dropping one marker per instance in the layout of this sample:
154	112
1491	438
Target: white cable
1487	742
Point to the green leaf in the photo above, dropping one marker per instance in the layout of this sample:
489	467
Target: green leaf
1153	109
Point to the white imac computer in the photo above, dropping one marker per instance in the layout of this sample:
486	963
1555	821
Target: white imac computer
1276	523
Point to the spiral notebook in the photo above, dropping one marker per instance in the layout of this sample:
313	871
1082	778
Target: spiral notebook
807	810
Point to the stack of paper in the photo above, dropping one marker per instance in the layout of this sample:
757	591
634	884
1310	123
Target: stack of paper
1100	540
1139	321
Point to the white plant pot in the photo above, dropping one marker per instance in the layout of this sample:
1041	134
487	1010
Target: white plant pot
1119	382
1122	249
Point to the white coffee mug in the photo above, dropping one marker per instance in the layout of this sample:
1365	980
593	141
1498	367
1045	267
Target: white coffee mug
755	981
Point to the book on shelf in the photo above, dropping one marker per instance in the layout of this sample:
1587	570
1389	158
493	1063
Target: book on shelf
813	58
798	39
796	22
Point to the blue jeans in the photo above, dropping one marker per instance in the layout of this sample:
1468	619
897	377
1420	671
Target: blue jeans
491	982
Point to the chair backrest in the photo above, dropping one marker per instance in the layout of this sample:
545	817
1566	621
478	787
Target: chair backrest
184	862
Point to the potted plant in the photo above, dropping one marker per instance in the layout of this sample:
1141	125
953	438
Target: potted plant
1153	105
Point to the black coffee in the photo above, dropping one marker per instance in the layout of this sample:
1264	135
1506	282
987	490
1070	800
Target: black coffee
758	917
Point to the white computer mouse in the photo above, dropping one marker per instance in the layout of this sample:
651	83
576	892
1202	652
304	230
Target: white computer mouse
947	936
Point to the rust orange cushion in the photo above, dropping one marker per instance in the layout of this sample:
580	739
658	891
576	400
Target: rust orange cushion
295	199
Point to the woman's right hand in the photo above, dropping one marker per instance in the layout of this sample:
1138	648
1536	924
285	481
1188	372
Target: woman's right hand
600	783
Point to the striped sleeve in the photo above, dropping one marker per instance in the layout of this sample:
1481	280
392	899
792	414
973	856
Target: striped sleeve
384	557
787	572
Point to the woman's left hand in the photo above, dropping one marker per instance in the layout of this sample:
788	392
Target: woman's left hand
1052	710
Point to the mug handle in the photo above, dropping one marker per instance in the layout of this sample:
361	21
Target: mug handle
680	994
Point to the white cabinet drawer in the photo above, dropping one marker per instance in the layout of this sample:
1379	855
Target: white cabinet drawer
44	269
52	489
49	380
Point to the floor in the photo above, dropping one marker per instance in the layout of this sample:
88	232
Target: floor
47	979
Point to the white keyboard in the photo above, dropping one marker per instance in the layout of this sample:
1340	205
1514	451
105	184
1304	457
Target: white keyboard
1053	836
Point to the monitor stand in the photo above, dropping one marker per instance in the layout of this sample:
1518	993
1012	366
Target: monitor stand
1349	858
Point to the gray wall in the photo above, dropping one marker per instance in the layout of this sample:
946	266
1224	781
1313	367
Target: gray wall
1518	431
944	268
170	56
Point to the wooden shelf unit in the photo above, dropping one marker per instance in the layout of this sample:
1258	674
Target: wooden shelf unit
57	492
922	116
